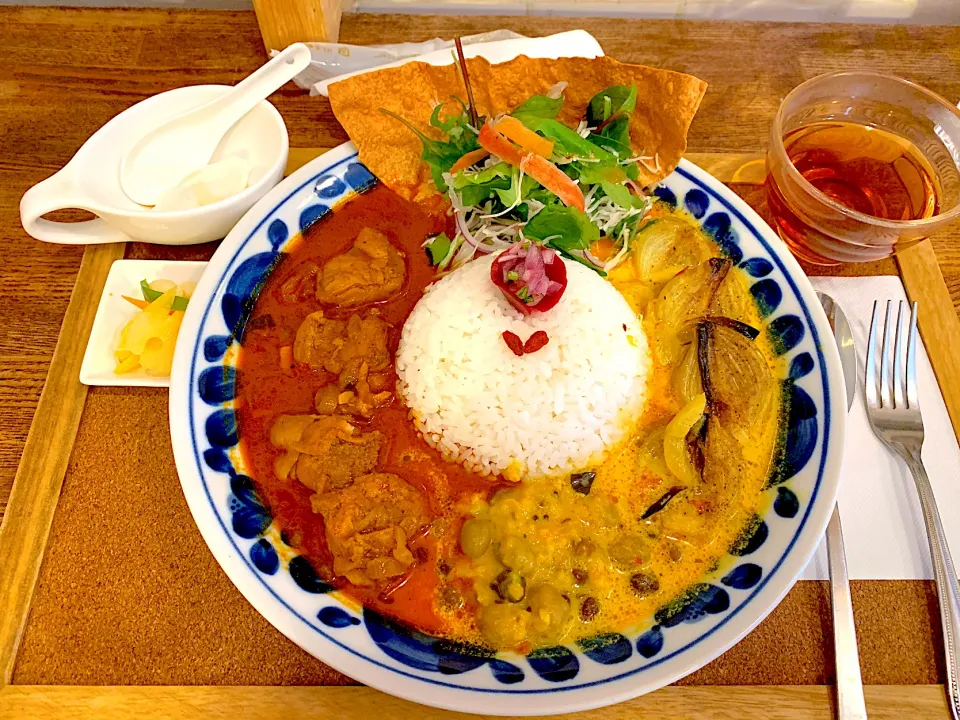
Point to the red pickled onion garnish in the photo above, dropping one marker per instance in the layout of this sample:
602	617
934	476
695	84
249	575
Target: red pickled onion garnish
530	277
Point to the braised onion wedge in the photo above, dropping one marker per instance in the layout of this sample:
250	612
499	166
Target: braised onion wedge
725	467
704	349
650	453
733	300
675	448
667	246
689	294
739	384
718	499
748	331
686	375
681	302
741	380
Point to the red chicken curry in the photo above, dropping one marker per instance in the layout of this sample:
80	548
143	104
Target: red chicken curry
323	433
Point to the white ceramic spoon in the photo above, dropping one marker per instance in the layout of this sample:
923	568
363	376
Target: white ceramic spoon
178	147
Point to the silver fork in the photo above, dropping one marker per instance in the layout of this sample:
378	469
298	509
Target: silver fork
893	406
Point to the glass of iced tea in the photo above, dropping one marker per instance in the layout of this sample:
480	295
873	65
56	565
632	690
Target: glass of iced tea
861	165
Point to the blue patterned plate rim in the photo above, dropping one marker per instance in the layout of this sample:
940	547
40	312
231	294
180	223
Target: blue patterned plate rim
616	687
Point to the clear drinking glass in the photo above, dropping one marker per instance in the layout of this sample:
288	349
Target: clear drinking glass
879	166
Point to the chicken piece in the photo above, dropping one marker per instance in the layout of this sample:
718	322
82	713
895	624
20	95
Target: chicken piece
323	453
284	466
300	285
310	433
366	343
381	381
368	525
284	434
359	402
319	340
341	464
371	270
288	429
342	347
326	399
318	436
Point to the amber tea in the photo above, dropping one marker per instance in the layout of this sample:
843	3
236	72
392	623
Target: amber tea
865	169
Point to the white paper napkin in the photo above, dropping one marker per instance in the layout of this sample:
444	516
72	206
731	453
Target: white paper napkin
574	43
337	60
883	528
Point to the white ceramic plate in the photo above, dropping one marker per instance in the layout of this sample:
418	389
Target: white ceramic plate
681	638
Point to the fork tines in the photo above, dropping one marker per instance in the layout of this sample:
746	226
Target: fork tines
894	388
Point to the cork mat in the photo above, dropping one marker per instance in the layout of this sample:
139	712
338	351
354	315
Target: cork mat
129	594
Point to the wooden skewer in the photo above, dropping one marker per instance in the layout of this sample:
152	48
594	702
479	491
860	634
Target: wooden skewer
466	81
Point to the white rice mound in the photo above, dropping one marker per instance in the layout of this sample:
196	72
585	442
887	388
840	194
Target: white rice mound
548	413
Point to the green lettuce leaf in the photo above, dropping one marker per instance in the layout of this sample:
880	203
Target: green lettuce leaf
438	248
594	173
453	125
462	179
622	196
564	228
474	188
517	190
473	195
612	101
538	106
567	141
441	155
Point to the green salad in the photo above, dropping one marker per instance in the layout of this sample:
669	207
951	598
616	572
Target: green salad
526	176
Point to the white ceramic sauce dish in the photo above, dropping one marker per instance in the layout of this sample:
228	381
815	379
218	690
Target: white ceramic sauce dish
91	180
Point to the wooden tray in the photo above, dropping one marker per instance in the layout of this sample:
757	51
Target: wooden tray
786	663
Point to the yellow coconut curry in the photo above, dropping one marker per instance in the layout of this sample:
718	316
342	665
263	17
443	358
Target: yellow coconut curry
567	558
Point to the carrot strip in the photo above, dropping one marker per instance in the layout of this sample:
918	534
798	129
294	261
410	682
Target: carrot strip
537	167
554	180
471	158
498	145
142	304
515	130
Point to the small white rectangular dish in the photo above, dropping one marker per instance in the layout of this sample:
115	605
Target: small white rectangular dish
114	313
